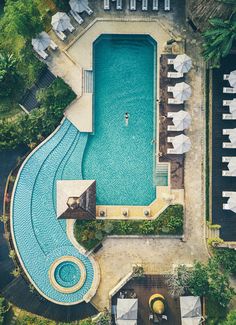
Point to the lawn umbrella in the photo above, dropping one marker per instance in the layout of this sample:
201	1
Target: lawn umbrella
182	91
232	78
78	5
41	42
181	144
182	120
182	63
60	21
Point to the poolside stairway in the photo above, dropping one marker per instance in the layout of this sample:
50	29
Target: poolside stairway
88	81
161	174
212	231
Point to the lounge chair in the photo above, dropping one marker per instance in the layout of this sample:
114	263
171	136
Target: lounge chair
53	45
226	76
144	5
132	5
172	151
174	75
119	4
155	5
226	102
172	128
229	116
228	173
170	89
89	11
228	145
170	61
227	131
226	207
76	17
226	159
170	139
60	35
167	5
71	28
42	54
229	90
227	193
106	4
174	101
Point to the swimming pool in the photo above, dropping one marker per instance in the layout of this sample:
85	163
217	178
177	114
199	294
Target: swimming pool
121	158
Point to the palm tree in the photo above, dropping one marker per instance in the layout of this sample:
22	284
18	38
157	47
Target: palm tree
218	40
8	74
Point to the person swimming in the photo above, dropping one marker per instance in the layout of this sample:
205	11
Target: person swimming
126	118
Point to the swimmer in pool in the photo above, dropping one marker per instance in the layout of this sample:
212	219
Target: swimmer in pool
126	119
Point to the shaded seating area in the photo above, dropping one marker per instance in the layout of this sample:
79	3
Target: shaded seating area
181	120
41	43
60	23
181	144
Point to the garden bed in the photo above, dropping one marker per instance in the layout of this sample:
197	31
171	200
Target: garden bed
90	233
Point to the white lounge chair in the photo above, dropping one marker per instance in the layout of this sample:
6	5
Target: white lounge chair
229	90
170	139
170	61
226	159
71	28
171	114
227	131
106	4
76	17
155	5
119	4
226	102
227	193
42	54
228	145
174	75
60	35
144	5
174	101
228	173
229	116
53	45
226	76
89	11
171	151
132	5
226	206
172	128
170	89
167	5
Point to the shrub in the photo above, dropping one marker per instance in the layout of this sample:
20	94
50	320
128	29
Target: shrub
226	257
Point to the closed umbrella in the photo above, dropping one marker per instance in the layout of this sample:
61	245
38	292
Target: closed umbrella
60	21
232	106
78	5
232	78
182	120
181	144
182	63
182	91
41	42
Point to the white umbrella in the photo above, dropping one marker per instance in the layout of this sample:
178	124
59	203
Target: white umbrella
60	21
41	42
182	91
182	63
181	144
232	78
232	106
232	136
232	203
182	120
78	5
232	165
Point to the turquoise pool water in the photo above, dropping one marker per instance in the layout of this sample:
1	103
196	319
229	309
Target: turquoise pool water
67	274
121	158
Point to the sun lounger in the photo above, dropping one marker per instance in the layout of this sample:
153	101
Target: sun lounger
170	61
227	193
228	173
175	74
174	101
132	5
226	102
171	114
228	145
172	128
144	5
71	28
77	17
170	89
170	139
226	159
229	117
167	5
226	76
227	131
60	35
119	4
155	5
229	90
171	151
53	45
89	11
42	54
226	207
106	4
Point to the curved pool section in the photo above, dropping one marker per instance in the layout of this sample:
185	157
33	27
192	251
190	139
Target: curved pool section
39	237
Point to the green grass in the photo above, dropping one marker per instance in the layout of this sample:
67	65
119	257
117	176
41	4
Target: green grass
90	232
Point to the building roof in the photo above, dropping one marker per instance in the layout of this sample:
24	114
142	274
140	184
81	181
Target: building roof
76	199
